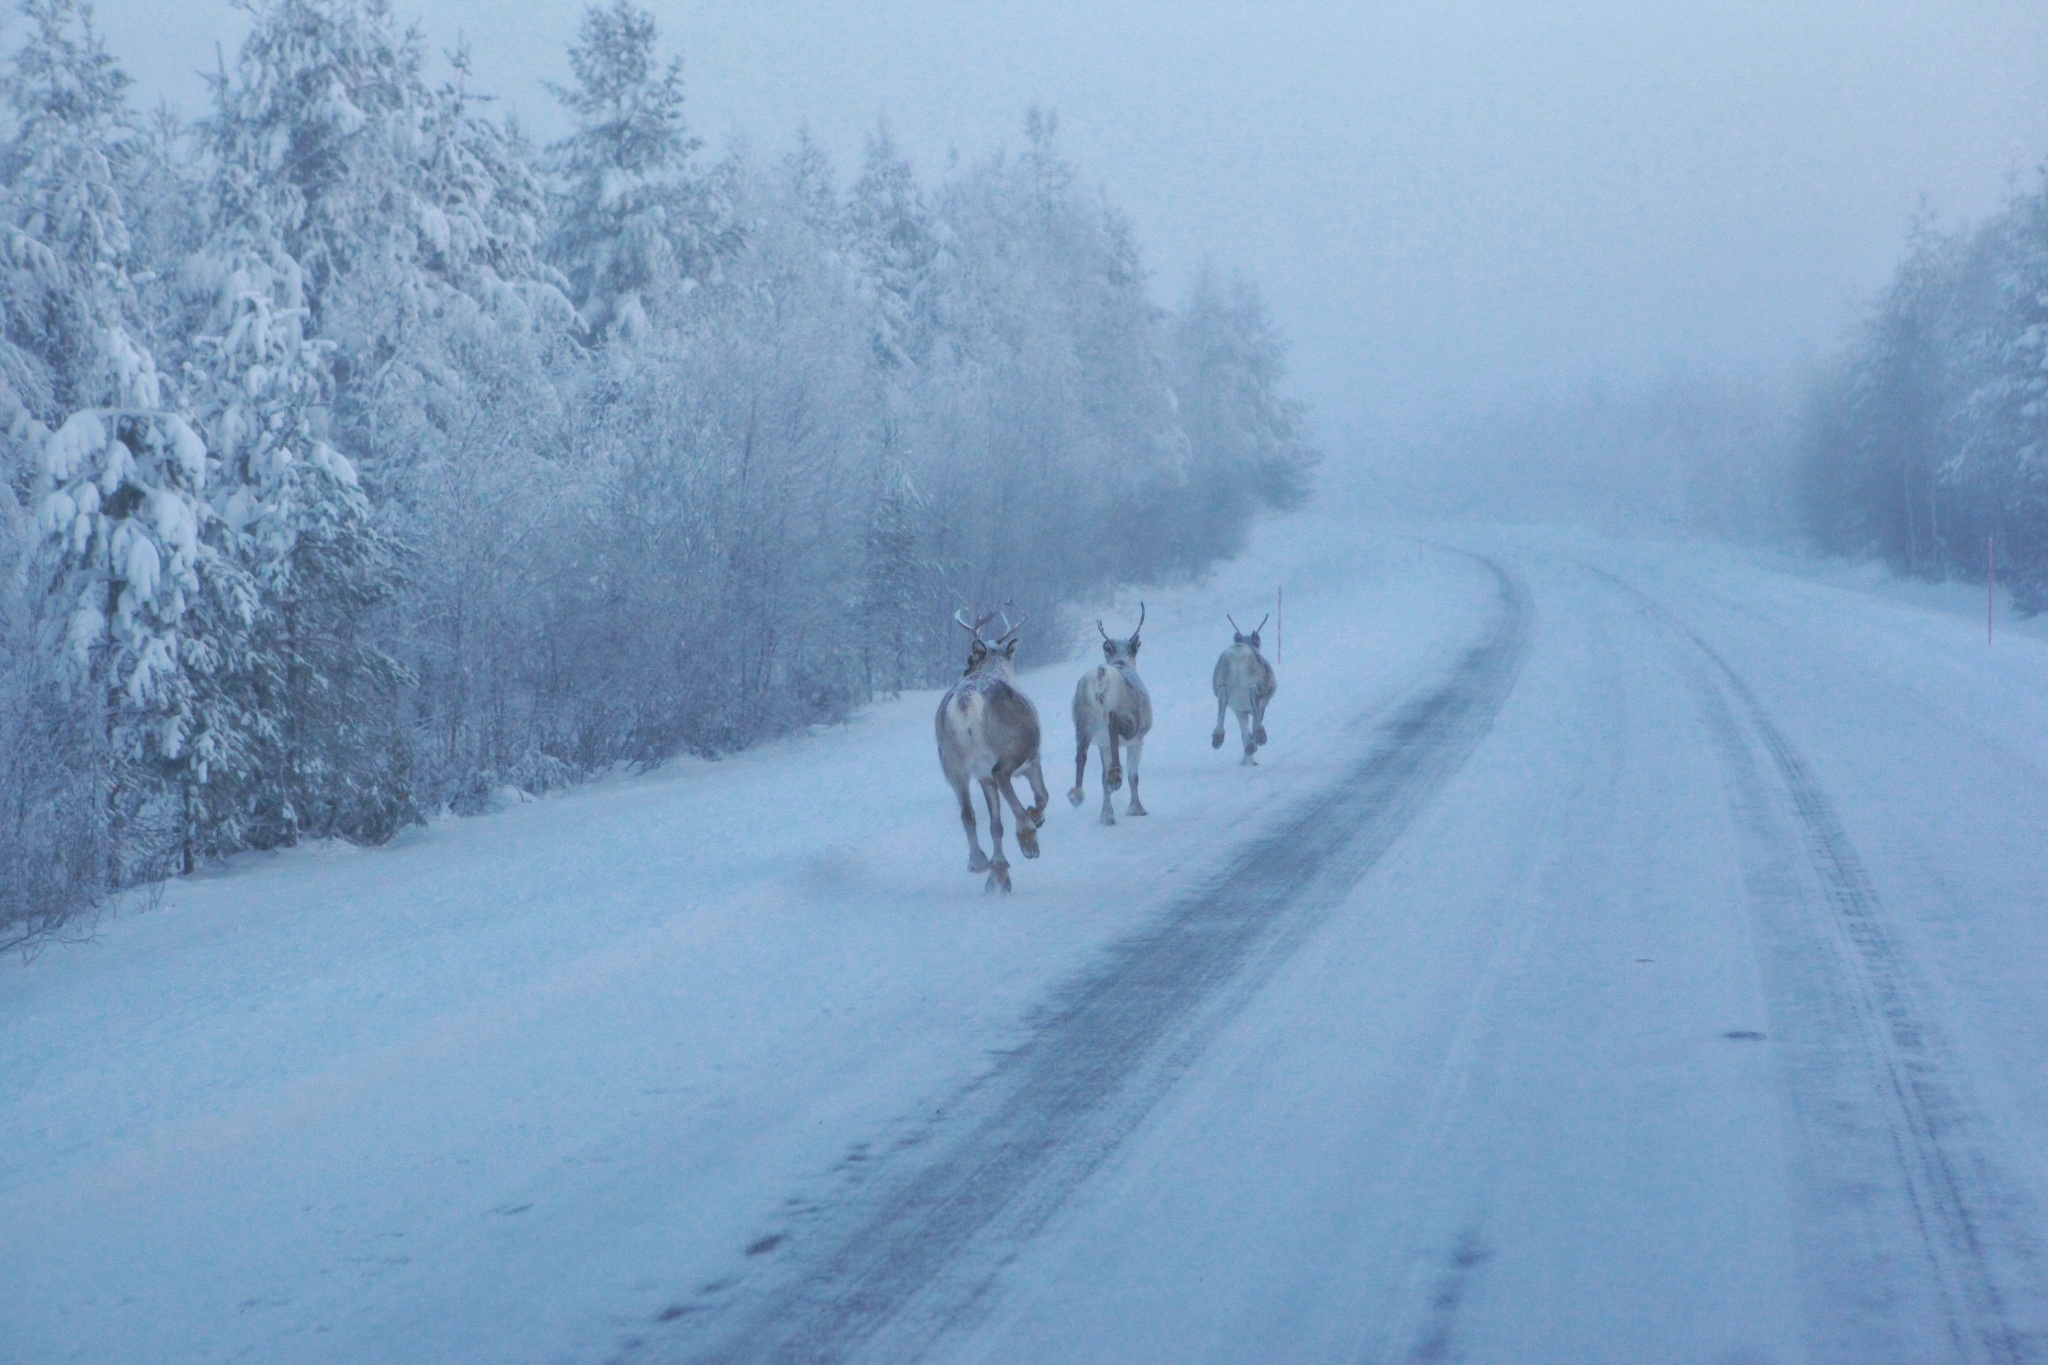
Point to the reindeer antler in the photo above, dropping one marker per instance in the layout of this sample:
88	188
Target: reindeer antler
1099	630
1233	623
1262	623
973	627
1141	621
1009	631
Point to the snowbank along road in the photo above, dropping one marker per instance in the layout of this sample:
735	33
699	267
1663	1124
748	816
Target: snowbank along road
1622	953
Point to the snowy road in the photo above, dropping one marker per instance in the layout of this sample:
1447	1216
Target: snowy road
1622	954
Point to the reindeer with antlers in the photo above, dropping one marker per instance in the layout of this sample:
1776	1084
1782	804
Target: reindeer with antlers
1244	683
988	733
1112	712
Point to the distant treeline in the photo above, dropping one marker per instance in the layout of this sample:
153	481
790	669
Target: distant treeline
1928	443
359	457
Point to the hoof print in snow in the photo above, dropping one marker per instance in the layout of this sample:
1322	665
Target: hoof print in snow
765	1245
507	1210
670	1313
1743	1035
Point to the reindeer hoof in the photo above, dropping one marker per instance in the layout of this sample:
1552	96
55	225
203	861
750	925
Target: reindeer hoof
1114	779
1216	740
1027	839
1259	736
978	863
1135	809
1108	816
998	880
1249	761
1076	797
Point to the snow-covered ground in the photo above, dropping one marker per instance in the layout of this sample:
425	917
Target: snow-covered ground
1622	952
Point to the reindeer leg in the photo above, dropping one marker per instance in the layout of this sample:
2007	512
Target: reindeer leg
1136	750
1216	738
1259	722
977	861
998	866
1034	773
1108	816
1027	832
1076	795
1244	731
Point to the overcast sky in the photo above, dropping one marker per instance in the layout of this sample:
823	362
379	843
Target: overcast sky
1446	202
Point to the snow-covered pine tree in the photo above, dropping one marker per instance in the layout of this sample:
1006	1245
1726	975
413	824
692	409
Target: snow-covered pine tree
633	220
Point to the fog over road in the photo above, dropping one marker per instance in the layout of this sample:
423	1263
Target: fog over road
1623	952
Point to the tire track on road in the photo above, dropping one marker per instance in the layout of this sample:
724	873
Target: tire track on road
1868	1066
918	1253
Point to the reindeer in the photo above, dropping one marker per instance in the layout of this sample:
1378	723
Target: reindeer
1244	683
988	733
1112	708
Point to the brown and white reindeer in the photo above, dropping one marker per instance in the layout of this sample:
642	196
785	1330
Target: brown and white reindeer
1244	683
1112	712
988	733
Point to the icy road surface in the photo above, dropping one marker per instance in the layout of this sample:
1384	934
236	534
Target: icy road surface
1620	954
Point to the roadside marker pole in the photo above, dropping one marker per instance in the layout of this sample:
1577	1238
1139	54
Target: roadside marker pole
1990	588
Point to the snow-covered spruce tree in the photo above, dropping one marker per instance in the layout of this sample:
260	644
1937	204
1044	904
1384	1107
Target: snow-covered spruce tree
897	585
406	213
732	443
311	129
896	246
62	223
898	251
1883	477
55	828
330	757
1246	445
813	190
407	224
54	825
155	618
2003	459
634	222
1044	422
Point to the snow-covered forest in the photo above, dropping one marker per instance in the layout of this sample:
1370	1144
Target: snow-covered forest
360	457
1927	443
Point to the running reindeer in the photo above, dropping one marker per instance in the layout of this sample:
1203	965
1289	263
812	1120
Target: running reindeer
1112	709
988	733
1244	683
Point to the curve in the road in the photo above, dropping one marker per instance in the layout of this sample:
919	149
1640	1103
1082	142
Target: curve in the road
919	1252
